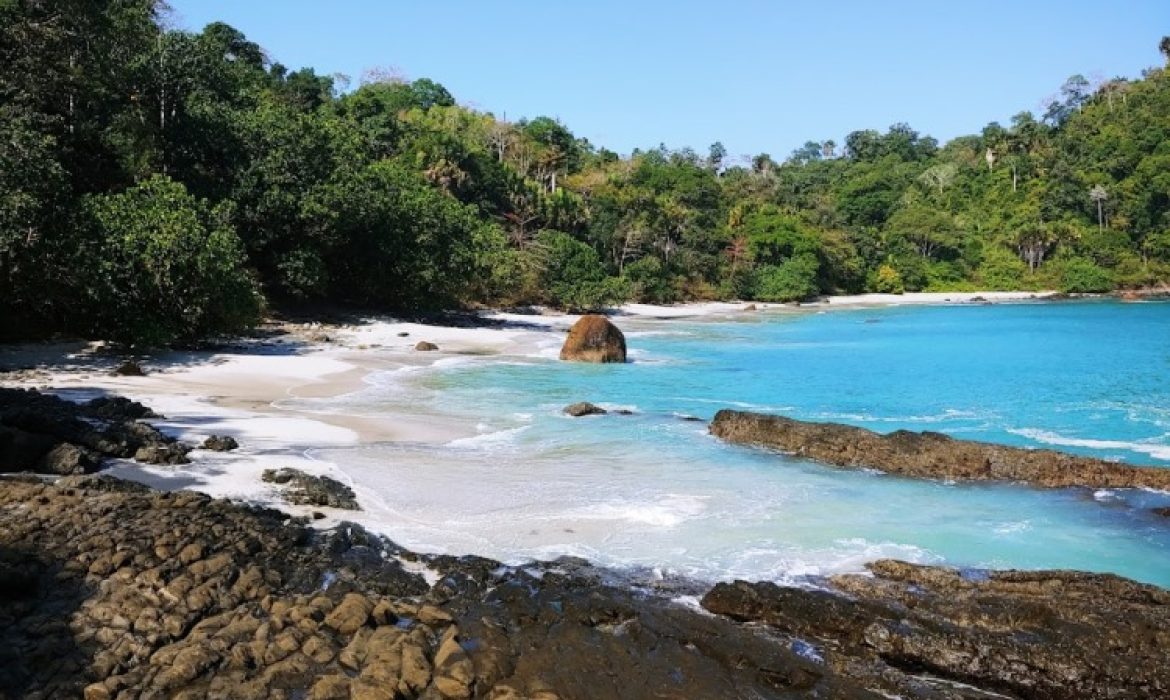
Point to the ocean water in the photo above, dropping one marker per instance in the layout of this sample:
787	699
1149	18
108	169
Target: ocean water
653	491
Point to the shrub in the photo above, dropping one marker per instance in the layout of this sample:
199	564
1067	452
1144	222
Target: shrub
886	280
1083	276
573	277
792	280
1001	269
164	268
650	281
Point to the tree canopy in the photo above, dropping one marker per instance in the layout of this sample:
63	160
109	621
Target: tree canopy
158	185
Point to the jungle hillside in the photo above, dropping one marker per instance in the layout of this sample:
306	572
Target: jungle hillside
159	186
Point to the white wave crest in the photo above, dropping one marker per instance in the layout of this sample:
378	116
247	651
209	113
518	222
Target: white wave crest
1153	449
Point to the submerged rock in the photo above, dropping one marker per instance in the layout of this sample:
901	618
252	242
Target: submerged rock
308	490
930	455
424	346
593	338
220	443
584	408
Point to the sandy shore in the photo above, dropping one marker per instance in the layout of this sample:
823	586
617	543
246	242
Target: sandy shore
914	298
261	392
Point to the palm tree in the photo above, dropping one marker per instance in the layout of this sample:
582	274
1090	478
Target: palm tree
1099	195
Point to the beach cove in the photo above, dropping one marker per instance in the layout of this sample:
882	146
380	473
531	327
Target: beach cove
465	450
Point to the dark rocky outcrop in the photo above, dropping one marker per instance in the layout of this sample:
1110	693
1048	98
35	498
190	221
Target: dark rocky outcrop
44	433
594	338
930	455
220	443
111	590
584	408
424	346
129	368
307	490
1043	634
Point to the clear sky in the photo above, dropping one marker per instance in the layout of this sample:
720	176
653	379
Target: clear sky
759	76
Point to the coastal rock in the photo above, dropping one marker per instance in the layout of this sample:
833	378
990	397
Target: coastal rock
220	443
67	458
930	455
584	408
305	489
173	454
109	589
42	432
129	368
1011	630
118	408
750	307
424	346
593	338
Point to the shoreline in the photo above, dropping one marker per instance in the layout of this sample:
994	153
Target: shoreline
178	595
261	392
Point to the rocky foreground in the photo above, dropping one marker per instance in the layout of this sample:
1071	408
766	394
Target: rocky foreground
111	590
930	455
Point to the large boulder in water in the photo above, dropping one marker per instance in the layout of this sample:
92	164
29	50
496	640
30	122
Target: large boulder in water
584	408
594	339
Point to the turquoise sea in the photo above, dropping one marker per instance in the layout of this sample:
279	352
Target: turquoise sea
654	491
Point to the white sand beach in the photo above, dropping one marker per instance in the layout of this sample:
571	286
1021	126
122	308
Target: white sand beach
251	392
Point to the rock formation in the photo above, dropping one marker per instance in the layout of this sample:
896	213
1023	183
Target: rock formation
930	455
584	408
129	368
111	590
307	490
424	346
220	443
594	338
45	433
1024	634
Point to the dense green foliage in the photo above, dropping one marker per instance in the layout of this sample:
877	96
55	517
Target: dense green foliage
158	185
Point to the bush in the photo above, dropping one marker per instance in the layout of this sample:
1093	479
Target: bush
1083	276
792	280
913	271
886	280
650	281
164	268
1003	270
573	277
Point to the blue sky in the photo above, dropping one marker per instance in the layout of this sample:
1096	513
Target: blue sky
759	76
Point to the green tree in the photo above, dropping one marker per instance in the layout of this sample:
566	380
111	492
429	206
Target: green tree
164	267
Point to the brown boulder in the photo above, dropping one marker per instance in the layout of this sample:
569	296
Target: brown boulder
351	615
220	443
594	339
584	408
424	346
